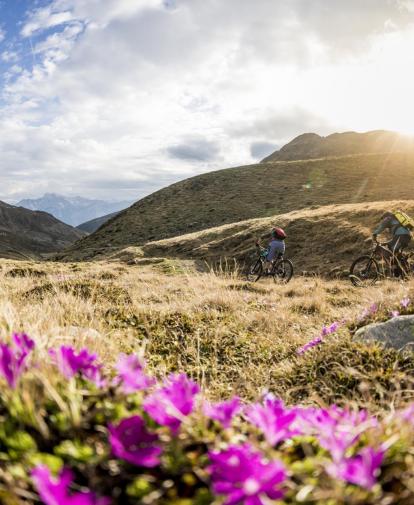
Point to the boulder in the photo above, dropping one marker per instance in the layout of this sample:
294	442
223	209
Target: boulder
397	333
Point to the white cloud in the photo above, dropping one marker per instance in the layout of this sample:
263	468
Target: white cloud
128	95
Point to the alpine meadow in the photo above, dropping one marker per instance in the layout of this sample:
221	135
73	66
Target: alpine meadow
206	254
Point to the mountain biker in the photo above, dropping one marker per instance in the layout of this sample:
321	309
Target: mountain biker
401	235
276	247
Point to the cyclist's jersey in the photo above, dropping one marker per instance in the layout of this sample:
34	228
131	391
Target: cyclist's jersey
275	247
392	224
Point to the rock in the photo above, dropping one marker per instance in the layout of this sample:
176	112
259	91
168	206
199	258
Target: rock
397	333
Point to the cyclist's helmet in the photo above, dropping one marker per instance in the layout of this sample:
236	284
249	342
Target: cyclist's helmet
279	233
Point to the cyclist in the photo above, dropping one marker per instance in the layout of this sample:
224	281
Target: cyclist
401	235
276	247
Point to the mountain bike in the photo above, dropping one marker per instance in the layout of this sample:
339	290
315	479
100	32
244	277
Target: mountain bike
381	263
281	269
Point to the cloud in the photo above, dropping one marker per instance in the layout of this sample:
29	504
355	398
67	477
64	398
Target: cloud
280	125
128	95
260	150
194	149
45	18
2	34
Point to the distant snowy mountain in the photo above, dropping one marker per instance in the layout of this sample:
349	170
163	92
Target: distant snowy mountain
73	210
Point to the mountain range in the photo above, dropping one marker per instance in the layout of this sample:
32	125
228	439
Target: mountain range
73	210
372	167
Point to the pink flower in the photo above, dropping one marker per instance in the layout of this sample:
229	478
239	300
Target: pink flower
131	374
242	475
13	358
22	342
395	313
273	419
336	429
362	469
407	414
223	412
309	345
373	309
83	363
326	330
131	441
172	402
54	491
405	302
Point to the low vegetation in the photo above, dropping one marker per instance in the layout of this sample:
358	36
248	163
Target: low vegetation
67	420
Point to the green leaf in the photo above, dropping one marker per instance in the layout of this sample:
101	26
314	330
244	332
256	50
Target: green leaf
54	463
20	441
75	450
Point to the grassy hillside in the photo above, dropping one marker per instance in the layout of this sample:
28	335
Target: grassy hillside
324	240
254	191
94	224
29	234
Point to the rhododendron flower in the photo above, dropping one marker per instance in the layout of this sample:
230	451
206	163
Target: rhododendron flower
336	429
70	363
54	491
131	373
273	419
362	469
223	412
405	302
245	477
13	358
173	401
131	441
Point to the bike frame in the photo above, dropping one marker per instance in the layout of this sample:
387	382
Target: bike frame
389	260
262	258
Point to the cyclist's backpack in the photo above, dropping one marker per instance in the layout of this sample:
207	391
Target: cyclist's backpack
404	219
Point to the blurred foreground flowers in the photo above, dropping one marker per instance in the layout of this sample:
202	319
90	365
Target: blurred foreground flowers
73	433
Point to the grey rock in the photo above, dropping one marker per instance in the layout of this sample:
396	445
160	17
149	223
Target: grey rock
397	333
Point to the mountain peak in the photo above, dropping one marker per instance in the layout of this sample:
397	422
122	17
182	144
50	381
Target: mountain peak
72	210
312	145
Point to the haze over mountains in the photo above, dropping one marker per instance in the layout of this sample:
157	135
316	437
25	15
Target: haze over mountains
73	210
372	167
26	234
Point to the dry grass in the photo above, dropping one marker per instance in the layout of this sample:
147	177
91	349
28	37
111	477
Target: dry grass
254	191
324	240
234	337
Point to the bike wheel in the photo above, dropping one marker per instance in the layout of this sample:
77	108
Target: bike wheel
283	271
255	271
364	271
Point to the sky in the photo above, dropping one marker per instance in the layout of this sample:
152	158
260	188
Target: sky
115	99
